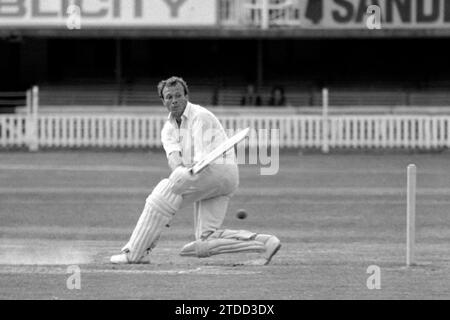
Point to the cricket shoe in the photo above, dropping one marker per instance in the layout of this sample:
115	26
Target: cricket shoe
122	258
273	244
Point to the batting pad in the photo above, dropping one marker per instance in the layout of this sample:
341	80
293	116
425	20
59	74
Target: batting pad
159	209
224	241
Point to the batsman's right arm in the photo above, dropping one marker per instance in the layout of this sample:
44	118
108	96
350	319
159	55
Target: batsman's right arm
171	146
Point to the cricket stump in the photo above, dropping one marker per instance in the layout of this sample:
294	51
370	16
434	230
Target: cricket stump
410	214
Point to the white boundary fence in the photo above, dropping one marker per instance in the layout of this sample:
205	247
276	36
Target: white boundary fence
13	130
324	131
136	131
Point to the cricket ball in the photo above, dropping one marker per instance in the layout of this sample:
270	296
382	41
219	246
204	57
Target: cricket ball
241	214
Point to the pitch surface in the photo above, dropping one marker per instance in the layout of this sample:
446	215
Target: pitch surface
335	214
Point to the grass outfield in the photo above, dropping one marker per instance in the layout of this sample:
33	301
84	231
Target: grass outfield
336	215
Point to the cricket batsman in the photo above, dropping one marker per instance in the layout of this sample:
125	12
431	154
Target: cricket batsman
191	132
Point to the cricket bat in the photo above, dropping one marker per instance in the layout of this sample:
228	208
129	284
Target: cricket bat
217	152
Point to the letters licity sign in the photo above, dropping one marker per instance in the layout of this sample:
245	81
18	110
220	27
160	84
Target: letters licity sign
108	13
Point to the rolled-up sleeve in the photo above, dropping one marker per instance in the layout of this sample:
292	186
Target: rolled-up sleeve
169	139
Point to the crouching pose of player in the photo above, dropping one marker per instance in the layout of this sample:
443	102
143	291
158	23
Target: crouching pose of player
190	132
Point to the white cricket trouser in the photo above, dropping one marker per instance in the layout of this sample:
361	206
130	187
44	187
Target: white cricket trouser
210	194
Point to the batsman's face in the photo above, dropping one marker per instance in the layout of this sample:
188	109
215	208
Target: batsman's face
175	100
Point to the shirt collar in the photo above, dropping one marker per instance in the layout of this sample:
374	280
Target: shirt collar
186	113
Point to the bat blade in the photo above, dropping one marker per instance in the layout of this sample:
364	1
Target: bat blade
219	150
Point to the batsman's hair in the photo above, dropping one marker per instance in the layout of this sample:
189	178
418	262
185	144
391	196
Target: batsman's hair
172	81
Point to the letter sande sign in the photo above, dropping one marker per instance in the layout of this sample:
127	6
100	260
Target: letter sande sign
394	14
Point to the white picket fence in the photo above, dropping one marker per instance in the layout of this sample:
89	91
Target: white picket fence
295	131
13	130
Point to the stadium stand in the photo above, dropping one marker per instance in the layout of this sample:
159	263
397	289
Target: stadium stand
429	98
142	93
9	101
80	92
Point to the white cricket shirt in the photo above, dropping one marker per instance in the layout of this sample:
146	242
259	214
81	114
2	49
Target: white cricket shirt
199	133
